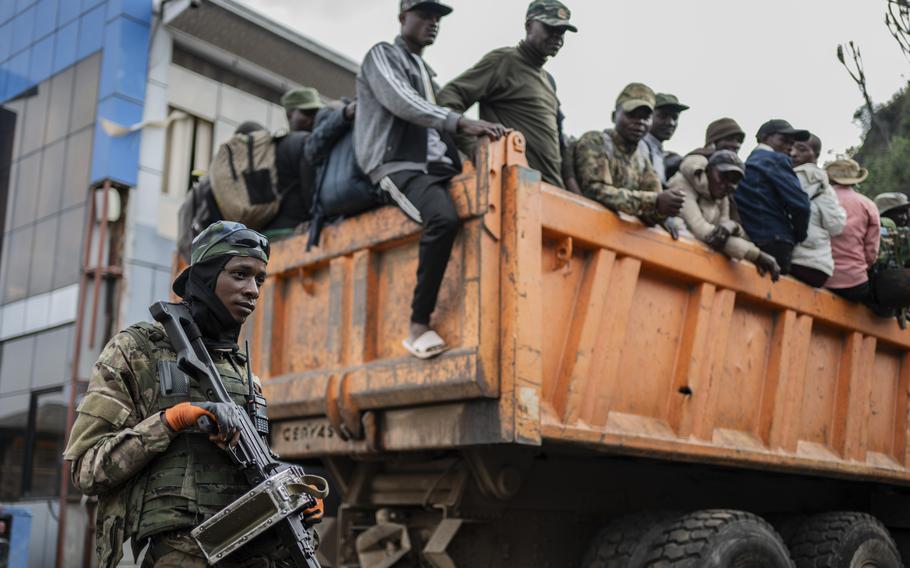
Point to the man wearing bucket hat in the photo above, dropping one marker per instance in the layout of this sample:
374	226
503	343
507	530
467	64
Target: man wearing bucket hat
894	206
890	275
772	205
301	106
513	88
855	250
134	444
613	168
724	134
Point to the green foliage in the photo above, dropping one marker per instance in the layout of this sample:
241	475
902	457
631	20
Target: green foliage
888	170
888	166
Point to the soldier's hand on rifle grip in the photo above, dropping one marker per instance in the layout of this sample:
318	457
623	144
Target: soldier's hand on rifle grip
314	514
225	416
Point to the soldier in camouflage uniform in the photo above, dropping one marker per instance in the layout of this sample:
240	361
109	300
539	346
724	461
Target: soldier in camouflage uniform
612	167
139	449
894	249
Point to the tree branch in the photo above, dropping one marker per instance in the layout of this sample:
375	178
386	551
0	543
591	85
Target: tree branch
858	73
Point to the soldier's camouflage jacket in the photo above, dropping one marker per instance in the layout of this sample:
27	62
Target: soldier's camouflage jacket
894	250
616	176
147	478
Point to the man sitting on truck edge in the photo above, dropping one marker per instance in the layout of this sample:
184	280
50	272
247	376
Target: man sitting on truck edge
890	269
403	141
707	184
772	205
855	249
812	261
135	445
667	109
613	169
513	88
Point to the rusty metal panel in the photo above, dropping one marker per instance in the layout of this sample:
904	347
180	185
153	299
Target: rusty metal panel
664	348
327	341
573	325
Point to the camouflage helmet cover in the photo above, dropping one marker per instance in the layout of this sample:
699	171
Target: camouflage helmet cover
223	238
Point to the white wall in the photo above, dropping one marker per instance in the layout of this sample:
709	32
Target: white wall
152	230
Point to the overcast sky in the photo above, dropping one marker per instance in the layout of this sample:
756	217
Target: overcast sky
740	58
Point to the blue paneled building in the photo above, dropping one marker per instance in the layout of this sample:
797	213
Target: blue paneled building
138	94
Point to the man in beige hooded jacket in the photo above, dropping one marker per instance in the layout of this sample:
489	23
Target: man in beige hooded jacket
707	184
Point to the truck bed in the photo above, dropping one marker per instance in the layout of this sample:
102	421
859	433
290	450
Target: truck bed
572	326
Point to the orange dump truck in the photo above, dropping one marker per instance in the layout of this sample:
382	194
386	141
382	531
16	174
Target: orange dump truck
611	397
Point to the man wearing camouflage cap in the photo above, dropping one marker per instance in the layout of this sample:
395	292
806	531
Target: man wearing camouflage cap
301	107
614	169
513	88
667	109
137	447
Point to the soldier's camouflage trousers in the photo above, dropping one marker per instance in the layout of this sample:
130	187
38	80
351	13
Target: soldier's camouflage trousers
178	549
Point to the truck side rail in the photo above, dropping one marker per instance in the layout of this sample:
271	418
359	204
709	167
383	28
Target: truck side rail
663	347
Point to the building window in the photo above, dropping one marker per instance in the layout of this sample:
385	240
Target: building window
189	149
46	141
32	437
44	444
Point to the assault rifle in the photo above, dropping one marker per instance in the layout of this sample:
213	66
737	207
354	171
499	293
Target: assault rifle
280	491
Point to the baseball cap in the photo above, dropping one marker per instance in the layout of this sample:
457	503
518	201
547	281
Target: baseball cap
551	13
726	161
432	5
304	98
635	95
668	100
780	126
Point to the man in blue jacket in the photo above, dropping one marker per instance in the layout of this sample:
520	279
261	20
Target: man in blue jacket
773	207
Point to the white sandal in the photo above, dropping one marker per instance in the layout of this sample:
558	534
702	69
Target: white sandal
428	345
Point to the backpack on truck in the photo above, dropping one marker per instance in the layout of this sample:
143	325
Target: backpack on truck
198	211
342	189
245	180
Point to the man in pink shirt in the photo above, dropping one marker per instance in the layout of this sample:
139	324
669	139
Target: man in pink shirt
856	248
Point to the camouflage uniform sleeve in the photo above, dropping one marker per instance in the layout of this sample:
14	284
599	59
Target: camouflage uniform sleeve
592	169
113	438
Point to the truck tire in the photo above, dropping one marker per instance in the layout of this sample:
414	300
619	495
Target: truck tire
624	542
718	539
844	540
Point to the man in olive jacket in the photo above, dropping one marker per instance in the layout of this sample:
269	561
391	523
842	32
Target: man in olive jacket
513	88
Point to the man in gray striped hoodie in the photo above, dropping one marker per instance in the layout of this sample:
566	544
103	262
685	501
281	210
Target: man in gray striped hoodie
403	141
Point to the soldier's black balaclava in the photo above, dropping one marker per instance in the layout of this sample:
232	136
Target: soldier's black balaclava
219	328
212	249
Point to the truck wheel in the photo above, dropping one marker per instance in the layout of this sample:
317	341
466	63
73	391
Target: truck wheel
718	539
844	540
624	542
